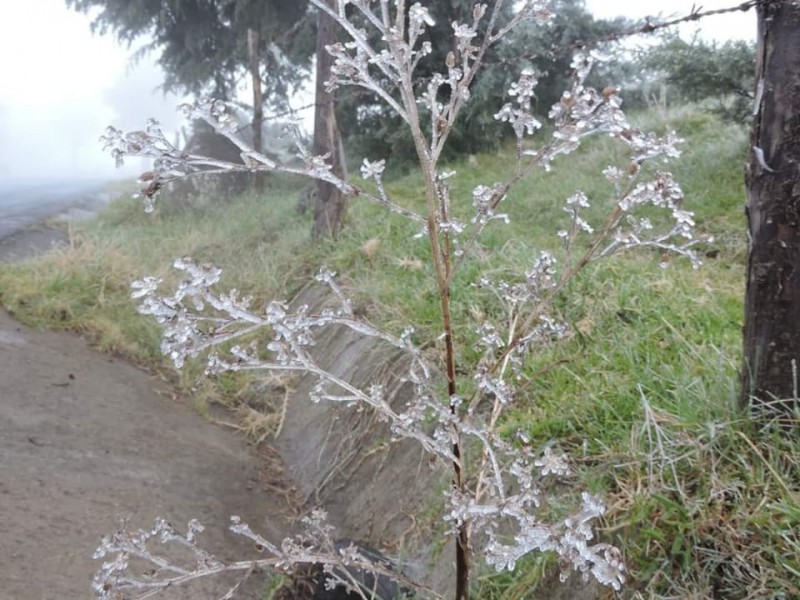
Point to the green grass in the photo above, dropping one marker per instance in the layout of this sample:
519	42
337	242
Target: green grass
642	392
86	286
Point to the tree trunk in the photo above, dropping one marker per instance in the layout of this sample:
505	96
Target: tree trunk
330	205
772	300
258	98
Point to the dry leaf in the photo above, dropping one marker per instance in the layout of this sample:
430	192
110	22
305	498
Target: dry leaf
370	247
411	264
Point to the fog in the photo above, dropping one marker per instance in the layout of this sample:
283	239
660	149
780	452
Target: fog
60	86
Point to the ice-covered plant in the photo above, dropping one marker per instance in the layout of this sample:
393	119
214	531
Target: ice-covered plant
496	498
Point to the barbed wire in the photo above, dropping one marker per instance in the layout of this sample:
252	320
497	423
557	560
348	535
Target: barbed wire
647	27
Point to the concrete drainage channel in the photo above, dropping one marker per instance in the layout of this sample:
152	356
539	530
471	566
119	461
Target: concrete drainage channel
343	459
88	441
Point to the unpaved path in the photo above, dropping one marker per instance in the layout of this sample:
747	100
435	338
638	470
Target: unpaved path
87	440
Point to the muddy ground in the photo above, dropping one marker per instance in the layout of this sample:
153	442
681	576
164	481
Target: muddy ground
87	441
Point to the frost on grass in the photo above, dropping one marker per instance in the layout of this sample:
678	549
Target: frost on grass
497	496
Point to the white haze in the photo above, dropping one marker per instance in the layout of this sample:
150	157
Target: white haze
60	86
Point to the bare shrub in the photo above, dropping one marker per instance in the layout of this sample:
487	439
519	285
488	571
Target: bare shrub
457	403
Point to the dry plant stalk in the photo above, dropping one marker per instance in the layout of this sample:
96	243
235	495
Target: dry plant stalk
199	320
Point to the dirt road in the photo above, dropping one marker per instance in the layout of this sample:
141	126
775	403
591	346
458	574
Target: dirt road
87	440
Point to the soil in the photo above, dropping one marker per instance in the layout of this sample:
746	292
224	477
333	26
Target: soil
88	441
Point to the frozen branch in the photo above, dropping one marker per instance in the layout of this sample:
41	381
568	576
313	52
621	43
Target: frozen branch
504	505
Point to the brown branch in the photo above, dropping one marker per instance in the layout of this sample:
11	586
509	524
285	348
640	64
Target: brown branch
253	40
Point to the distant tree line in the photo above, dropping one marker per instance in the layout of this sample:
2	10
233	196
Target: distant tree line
718	75
202	46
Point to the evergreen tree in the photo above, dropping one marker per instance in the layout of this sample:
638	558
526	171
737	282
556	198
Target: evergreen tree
370	129
699	70
202	44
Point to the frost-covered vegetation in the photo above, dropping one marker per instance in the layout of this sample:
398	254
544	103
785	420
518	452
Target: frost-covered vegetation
542	352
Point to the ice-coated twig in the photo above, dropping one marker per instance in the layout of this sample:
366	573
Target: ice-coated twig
158	569
453	400
293	335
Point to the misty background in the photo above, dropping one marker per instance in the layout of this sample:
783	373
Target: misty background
61	86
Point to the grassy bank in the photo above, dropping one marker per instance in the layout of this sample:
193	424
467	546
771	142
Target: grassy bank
642	392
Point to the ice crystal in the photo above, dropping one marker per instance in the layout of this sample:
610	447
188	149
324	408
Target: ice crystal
518	312
552	463
371	170
419	15
520	117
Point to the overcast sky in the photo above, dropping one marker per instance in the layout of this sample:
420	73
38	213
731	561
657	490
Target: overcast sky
60	86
